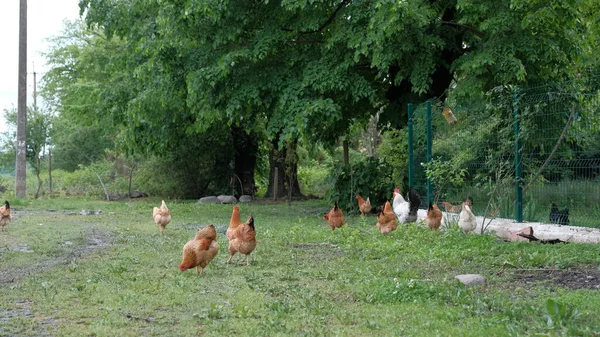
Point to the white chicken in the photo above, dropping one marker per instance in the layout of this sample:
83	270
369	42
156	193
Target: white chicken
466	220
408	211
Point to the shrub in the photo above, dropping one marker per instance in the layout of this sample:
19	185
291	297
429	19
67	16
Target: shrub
370	177
393	150
313	179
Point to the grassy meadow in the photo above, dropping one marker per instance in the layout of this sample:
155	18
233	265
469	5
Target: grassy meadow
64	272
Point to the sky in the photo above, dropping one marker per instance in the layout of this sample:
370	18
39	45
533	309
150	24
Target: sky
44	19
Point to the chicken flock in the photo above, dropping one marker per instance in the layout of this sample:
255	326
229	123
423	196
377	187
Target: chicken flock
203	247
404	211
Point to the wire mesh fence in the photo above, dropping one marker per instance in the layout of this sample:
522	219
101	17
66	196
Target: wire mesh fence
528	154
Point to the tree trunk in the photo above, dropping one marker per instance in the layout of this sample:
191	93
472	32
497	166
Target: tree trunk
131	168
277	159
246	148
37	174
346	147
103	187
50	170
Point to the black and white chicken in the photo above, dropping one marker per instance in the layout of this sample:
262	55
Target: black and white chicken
408	211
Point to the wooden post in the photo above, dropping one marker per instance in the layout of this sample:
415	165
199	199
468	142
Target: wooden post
276	184
50	169
346	147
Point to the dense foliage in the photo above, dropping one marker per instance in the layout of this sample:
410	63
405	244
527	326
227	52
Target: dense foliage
150	77
370	178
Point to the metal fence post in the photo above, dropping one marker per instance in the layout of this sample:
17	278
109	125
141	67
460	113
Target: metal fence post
411	159
518	174
429	185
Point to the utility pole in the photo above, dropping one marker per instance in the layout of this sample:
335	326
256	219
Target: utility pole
21	160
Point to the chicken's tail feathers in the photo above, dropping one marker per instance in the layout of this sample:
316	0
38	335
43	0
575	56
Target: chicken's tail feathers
387	207
335	205
6	204
430	206
251	222
209	232
414	201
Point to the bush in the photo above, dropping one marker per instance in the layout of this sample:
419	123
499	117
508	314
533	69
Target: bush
313	180
394	152
3	185
314	164
370	178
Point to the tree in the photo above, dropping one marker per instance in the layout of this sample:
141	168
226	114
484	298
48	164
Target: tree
308	70
88	90
37	133
38	130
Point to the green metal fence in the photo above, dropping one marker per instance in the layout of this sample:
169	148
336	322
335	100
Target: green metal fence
516	153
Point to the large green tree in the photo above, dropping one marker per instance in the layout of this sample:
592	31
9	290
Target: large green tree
93	85
85	86
39	124
308	69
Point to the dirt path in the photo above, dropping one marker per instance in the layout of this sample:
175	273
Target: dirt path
582	277
95	239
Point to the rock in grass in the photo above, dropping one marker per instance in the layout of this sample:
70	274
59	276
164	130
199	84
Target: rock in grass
227	199
471	279
245	198
210	200
138	194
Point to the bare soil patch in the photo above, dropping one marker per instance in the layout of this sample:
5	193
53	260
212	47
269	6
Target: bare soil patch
573	278
22	310
95	239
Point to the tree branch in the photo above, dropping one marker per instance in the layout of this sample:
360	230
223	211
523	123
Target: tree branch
333	15
467	27
324	24
560	139
103	187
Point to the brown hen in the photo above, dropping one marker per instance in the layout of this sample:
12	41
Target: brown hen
386	219
4	215
199	251
335	217
243	240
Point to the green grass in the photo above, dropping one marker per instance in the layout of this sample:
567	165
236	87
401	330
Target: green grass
113	275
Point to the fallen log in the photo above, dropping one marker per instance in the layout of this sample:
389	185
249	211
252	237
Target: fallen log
527	233
506	229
